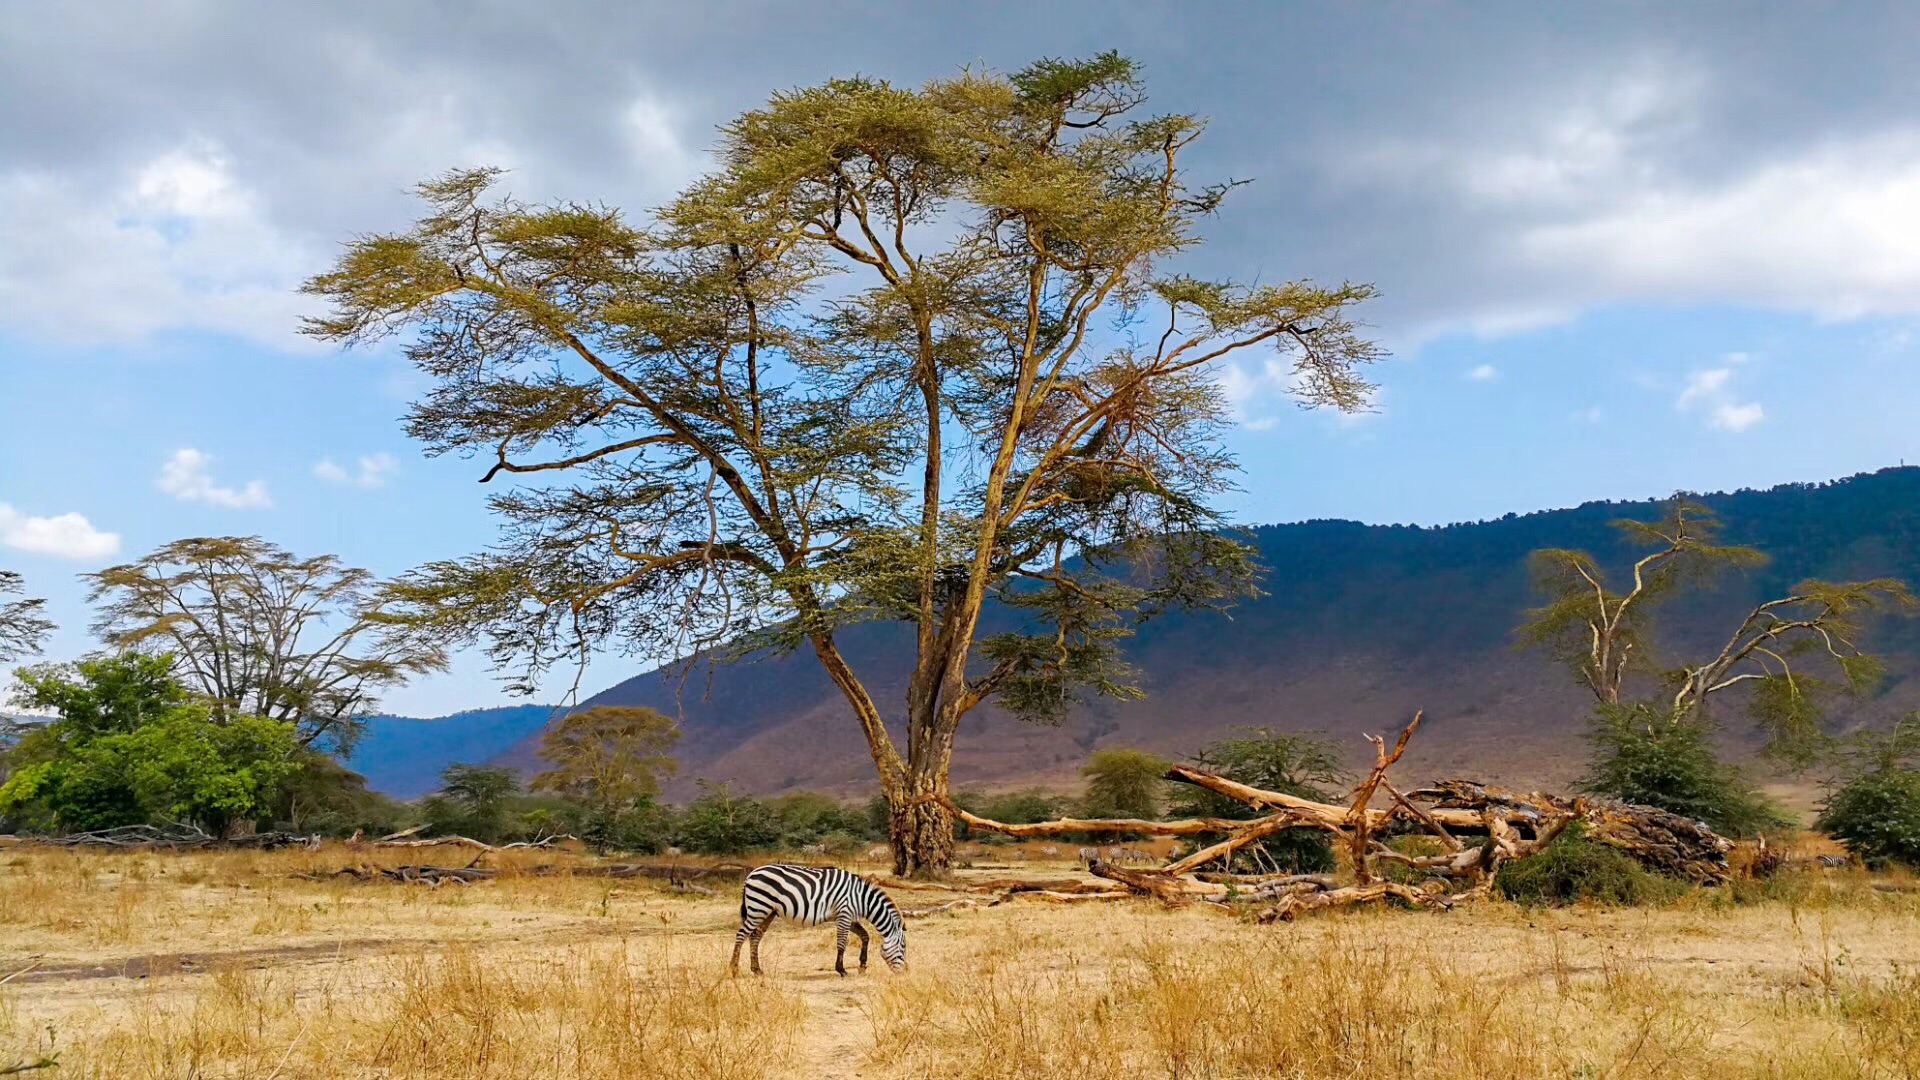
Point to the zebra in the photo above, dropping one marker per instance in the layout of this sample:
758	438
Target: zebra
811	896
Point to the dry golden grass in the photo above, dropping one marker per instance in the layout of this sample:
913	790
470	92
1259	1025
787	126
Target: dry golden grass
249	972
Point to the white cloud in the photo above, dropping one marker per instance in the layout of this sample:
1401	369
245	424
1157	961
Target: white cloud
1704	386
652	134
65	536
1592	414
1261	423
1827	231
1710	391
1483	373
177	242
1737	417
374	471
185	477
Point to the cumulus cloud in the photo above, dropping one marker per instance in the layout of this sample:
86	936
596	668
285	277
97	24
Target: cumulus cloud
1708	391
1499	171
373	471
186	477
1826	231
1483	373
175	242
64	536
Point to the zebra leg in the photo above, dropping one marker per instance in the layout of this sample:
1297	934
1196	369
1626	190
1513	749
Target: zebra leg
739	939
758	933
840	926
861	933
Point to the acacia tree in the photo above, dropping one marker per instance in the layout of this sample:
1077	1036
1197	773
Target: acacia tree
1124	782
609	757
1603	632
905	351
260	632
22	627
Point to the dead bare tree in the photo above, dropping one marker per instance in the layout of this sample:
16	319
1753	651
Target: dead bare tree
1502	826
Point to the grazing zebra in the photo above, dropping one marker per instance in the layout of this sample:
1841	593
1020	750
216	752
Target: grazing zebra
811	896
1834	862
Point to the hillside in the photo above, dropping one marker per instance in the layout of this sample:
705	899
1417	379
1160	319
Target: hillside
402	755
1360	626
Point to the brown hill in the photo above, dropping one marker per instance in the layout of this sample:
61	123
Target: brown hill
1360	626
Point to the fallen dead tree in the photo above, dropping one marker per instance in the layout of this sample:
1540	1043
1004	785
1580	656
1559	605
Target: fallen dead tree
172	835
1476	827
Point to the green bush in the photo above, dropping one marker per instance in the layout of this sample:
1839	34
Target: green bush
1877	816
1302	764
131	746
1643	756
1876	809
1575	868
722	823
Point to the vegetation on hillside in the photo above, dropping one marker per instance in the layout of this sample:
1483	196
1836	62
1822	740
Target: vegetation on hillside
1652	727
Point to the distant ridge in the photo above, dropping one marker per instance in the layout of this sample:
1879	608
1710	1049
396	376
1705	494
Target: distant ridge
1361	625
402	756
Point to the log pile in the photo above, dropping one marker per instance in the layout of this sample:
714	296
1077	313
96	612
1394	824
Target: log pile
1476	827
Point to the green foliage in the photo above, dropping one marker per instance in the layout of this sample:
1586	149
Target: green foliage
1574	868
808	817
1124	782
130	745
322	796
1875	810
608	758
719	822
1641	755
1302	764
103	695
472	801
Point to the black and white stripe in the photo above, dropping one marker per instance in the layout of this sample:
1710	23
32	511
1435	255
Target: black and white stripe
814	895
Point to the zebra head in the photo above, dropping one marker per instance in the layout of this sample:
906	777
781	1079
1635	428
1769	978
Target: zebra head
893	944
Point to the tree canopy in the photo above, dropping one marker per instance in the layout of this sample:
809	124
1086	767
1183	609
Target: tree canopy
1124	782
258	631
22	626
610	757
903	351
130	745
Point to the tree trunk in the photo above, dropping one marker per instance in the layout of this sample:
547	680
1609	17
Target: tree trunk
920	828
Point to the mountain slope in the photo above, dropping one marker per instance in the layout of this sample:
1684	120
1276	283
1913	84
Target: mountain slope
402	756
1360	626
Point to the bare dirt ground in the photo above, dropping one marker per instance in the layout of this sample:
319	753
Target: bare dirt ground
226	965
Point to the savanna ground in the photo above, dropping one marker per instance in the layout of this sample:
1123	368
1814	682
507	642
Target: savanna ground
226	965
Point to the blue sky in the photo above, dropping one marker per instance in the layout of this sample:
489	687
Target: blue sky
1619	256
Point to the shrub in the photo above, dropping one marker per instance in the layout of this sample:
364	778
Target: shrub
722	823
1876	810
1575	868
1877	816
1642	756
1301	764
1124	783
